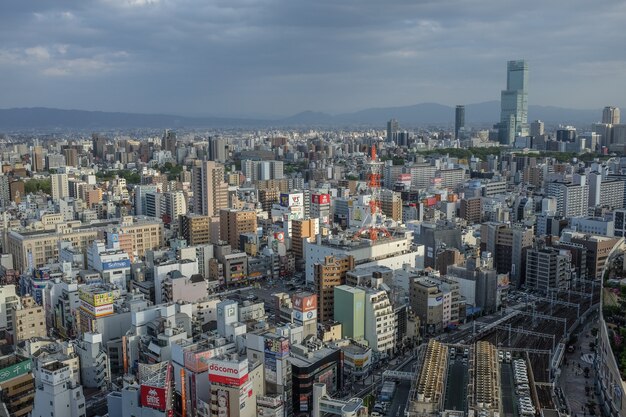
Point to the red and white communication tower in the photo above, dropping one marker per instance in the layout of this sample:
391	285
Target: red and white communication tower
373	223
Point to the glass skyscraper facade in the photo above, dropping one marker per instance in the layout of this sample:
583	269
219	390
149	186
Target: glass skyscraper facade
514	103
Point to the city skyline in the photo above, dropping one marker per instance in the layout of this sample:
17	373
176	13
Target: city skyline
250	59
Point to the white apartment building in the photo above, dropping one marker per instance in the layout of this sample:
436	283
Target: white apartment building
380	324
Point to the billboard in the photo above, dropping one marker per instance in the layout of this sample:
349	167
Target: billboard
99	311
503	281
435	301
304	303
97	299
15	370
153	397
122	263
228	373
305	316
320	198
279	236
291	199
278	347
197	361
223	402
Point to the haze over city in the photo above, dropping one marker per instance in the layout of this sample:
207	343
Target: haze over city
277	58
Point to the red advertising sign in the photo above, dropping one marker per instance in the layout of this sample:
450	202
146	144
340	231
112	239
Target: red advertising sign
320	198
228	373
153	397
305	303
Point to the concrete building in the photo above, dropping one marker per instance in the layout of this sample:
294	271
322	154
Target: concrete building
597	247
392	252
178	287
234	223
95	371
329	274
195	229
29	320
547	269
380	322
349	310
185	267
17	386
9	300
262	170
210	191
141	234
471	210
60	187
508	244
437	302
391	204
312	363
58	395
572	199
111	262
593	225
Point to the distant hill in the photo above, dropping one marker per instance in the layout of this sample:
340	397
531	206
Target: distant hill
41	117
423	114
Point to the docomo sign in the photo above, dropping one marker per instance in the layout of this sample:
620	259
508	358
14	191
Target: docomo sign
153	397
320	198
228	373
305	303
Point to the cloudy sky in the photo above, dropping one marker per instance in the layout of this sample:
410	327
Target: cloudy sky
279	57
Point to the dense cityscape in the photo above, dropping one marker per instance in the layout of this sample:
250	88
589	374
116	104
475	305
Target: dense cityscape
290	272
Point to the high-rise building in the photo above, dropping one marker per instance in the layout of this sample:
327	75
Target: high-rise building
195	229
262	170
514	103
459	120
329	274
611	115
37	162
572	199
349	310
546	269
217	149
508	244
60	187
210	191
391	204
233	223
71	157
472	209
537	128
392	130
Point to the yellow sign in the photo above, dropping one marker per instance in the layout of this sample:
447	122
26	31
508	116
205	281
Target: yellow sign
97	300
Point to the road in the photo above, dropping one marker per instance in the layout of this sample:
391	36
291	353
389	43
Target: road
401	396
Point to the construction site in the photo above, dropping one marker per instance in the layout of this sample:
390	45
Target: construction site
504	368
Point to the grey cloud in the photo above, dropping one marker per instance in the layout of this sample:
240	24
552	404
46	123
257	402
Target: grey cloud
283	56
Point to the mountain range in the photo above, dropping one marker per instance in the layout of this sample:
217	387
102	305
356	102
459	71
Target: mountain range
423	114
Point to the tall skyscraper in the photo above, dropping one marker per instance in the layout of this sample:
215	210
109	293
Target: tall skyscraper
392	130
210	191
459	120
514	103
611	115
